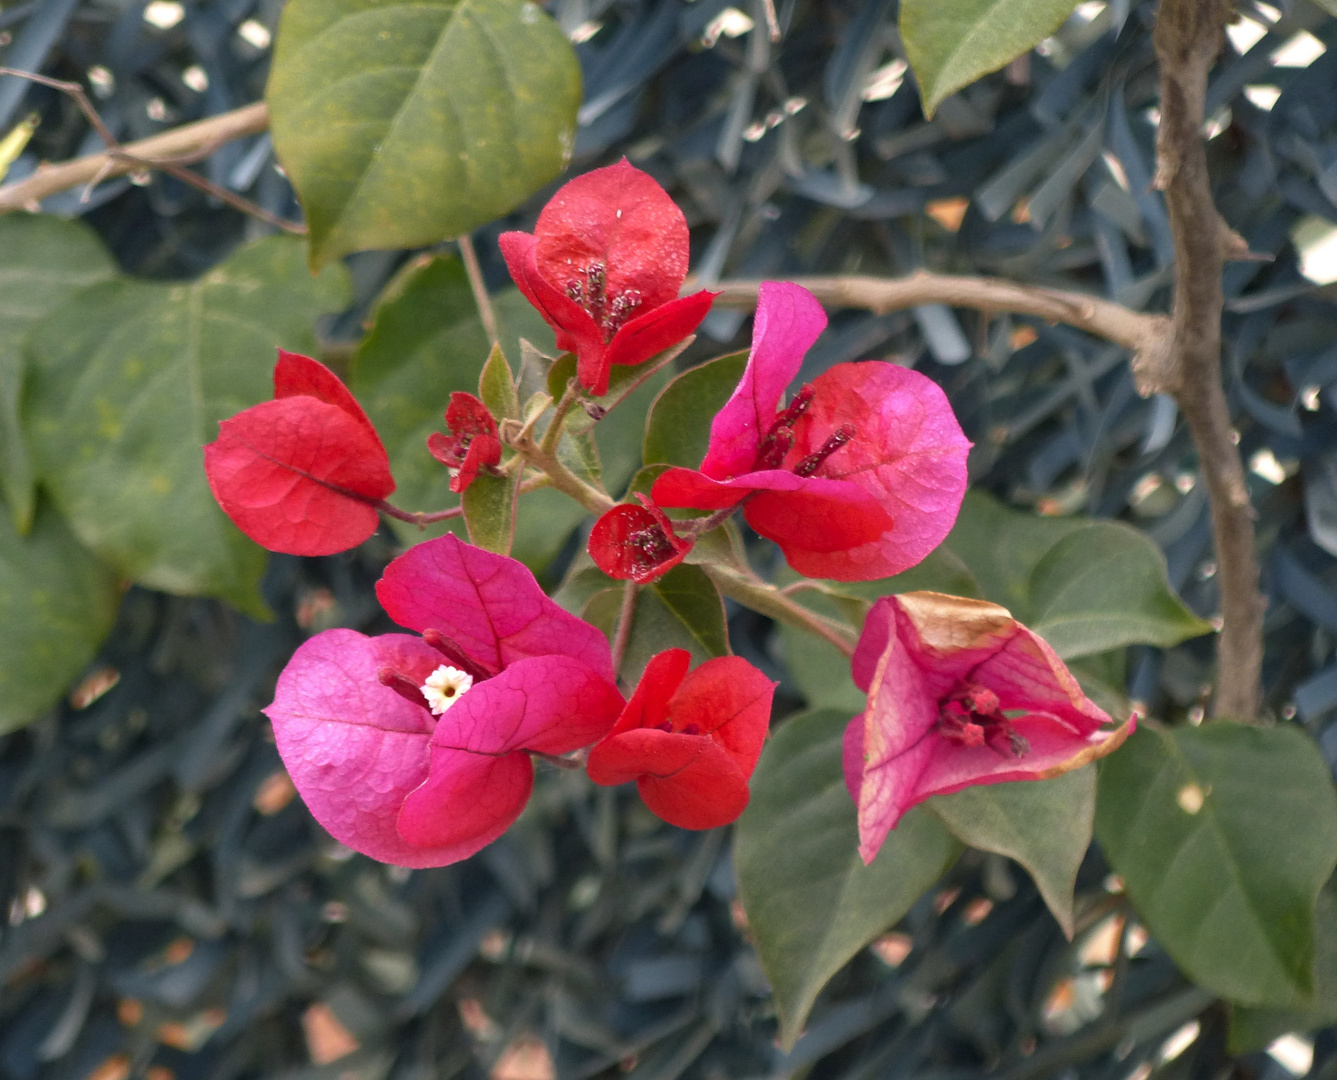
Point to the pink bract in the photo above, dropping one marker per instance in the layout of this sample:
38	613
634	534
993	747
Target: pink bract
636	543
603	267
859	478
689	740
302	473
959	694
389	778
472	443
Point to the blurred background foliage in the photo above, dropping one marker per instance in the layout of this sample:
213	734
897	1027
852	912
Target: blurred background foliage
170	910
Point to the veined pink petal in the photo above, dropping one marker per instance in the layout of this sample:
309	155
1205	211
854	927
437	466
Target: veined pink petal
691	781
908	452
480	775
576	331
489	604
658	329
789	319
353	747
296	375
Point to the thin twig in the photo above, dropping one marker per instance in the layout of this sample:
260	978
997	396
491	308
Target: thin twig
484	302
422	518
766	599
1146	335
626	615
190	142
553	435
1188	36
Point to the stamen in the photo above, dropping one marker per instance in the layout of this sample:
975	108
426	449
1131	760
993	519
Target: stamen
450	649
779	437
813	461
402	685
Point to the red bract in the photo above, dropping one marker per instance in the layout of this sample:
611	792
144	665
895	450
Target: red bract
303	473
959	693
859	478
636	543
472	443
415	751
604	266
690	741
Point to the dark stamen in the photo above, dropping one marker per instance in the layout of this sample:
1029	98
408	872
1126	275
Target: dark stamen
813	461
779	437
458	658
402	685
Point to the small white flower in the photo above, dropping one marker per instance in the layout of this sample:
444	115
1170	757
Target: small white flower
444	687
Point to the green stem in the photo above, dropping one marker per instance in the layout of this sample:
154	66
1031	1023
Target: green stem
553	435
766	599
625	617
562	478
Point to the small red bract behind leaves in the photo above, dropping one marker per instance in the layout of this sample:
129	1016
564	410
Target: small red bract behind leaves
301	474
604	266
472	443
690	741
636	543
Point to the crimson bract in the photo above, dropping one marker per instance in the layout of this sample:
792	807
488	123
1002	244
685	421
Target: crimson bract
603	267
472	443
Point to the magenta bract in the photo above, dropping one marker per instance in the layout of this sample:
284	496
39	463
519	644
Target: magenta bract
959	694
859	478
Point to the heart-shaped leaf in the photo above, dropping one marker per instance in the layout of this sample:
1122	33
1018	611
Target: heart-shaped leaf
1224	836
951	45
811	903
129	381
403	124
678	430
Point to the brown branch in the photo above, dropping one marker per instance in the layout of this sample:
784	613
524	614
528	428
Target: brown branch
184	144
1145	335
1188	36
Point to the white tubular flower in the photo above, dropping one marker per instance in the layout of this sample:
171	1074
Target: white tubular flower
444	687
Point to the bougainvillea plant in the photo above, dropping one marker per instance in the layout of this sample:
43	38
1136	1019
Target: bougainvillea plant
419	748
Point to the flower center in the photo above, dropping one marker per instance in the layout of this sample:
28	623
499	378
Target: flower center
972	716
610	312
779	438
444	687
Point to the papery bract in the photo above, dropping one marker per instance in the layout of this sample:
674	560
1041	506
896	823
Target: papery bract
959	694
689	740
388	777
603	266
301	474
472	443
859	478
636	543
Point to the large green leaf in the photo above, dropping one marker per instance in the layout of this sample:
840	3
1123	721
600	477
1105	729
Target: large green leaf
404	124
811	903
57	603
1103	587
678	430
427	341
682	610
1045	825
950	45
1224	836
42	261
129	381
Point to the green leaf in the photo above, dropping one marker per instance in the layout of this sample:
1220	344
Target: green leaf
1045	825
811	903
1104	586
57	603
489	512
130	380
678	430
403	124
950	45
1000	547
1224	836
682	610
1254	1028
43	260
427	341
496	386
941	571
